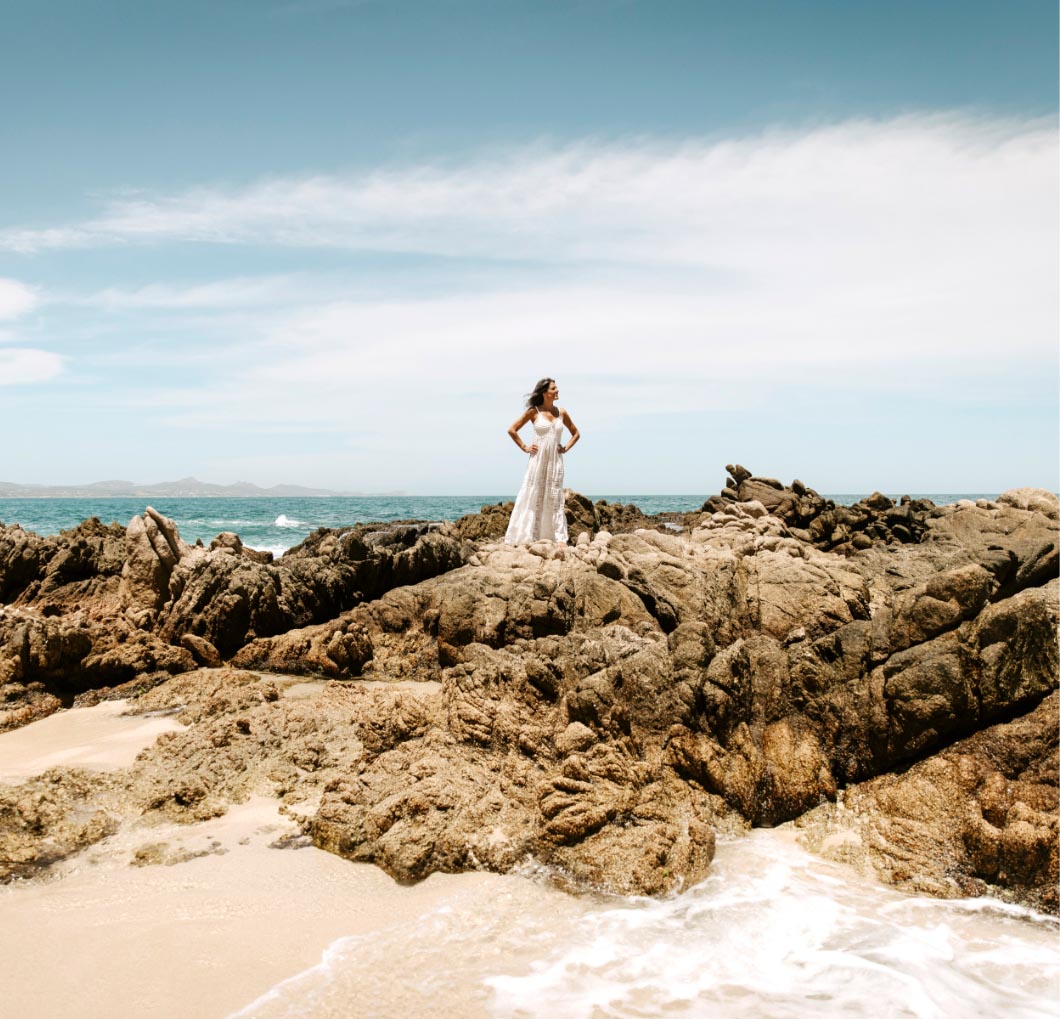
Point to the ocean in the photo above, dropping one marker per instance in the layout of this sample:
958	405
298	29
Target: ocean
772	933
276	525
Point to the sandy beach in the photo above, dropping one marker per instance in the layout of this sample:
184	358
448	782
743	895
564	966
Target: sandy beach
215	914
238	916
100	738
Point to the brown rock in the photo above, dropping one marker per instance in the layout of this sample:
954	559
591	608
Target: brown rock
602	707
202	650
154	549
979	816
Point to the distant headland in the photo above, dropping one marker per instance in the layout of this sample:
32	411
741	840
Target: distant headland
187	488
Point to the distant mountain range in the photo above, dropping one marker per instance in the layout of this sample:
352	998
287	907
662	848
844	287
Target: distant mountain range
188	488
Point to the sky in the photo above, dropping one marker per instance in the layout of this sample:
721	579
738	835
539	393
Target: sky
334	242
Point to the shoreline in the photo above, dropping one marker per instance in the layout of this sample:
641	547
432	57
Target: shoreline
203	934
610	709
169	920
237	917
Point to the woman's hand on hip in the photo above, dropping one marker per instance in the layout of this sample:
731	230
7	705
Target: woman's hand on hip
532	450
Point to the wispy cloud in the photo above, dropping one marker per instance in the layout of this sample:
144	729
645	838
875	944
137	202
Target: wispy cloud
235	292
15	298
849	187
909	256
22	365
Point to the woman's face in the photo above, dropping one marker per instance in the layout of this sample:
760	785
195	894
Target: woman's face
552	391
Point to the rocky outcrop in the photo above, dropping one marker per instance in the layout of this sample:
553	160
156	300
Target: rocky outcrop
61	574
758	671
154	549
980	815
604	707
51	817
813	518
45	662
99	606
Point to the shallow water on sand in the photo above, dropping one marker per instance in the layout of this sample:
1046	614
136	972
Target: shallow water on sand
773	933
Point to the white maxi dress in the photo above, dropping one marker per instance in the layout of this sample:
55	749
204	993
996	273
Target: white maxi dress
539	508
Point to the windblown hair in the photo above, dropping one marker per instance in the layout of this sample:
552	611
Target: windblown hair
537	397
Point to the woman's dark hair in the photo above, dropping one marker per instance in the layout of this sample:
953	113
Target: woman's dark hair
537	397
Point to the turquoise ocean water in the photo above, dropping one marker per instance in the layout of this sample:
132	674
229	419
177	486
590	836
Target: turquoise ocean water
279	524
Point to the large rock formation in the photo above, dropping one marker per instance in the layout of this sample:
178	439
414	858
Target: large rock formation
601	708
100	606
980	814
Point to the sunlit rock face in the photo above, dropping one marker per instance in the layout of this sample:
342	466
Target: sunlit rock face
602	707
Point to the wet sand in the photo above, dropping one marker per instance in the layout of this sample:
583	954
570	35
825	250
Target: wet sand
98	738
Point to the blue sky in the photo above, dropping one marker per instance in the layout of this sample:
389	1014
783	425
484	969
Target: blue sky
332	243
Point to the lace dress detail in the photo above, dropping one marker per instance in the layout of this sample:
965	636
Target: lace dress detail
539	508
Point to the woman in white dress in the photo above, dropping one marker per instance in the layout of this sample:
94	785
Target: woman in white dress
539	509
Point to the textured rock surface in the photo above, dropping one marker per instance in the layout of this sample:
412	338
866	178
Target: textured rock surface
99	606
980	814
603	707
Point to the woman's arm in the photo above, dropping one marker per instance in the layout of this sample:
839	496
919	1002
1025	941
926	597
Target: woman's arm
575	435
514	432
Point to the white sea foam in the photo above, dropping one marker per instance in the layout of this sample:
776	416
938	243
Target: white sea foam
772	934
276	550
294	996
285	521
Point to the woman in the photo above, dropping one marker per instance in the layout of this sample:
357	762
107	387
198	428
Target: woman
539	509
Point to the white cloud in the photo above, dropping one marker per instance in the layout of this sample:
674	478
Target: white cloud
21	365
381	370
852	189
237	292
916	255
15	298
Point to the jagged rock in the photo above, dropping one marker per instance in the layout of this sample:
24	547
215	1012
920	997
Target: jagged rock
339	649
878	501
766	491
766	728
489	524
228	540
154	549
96	606
231	600
603	707
49	818
65	656
981	815
21	704
63	573
581	514
22	558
